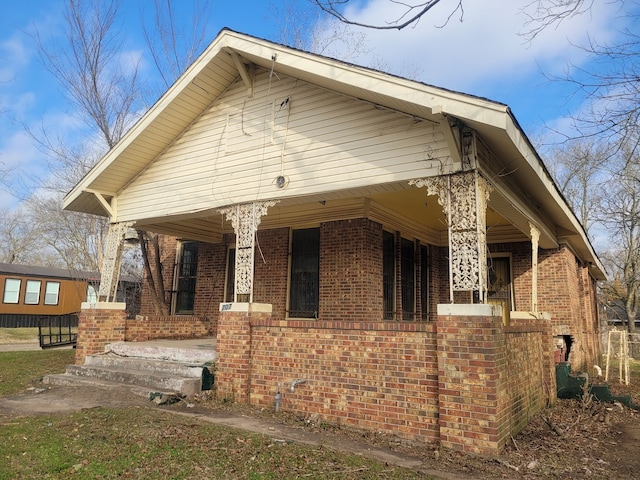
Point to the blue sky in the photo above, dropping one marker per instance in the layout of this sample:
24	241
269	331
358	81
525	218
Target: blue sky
482	55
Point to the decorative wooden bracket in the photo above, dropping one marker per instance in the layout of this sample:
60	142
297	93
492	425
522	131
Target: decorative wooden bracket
246	73
103	201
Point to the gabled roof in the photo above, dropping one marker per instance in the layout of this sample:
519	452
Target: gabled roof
215	70
225	60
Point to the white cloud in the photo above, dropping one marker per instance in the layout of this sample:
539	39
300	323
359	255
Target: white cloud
485	46
14	56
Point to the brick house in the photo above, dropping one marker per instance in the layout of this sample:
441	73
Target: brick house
377	251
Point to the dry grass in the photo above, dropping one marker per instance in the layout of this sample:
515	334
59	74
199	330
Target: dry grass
18	335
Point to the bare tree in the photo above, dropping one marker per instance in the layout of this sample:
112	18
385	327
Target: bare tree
620	210
579	168
301	27
539	14
409	14
18	237
102	84
172	48
91	69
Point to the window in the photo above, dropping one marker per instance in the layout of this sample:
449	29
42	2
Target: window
51	293
500	288
92	294
32	292
408	278
305	273
186	279
388	275
424	282
229	294
11	290
404	288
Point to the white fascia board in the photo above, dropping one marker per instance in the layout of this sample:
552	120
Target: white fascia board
438	100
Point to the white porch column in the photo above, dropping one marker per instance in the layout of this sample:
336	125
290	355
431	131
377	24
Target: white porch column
535	239
110	274
245	219
464	197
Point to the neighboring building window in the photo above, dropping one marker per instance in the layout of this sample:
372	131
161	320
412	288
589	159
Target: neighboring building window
408	278
424	282
11	290
305	273
51	294
388	275
92	294
186	278
32	292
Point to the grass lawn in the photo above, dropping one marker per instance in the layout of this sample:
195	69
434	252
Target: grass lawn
148	443
19	370
18	335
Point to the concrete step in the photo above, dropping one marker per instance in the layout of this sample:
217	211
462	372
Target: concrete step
89	382
163	366
195	351
167	367
161	381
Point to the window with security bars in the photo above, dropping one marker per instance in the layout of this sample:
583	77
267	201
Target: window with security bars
407	283
305	273
231	276
424	282
408	278
388	275
186	279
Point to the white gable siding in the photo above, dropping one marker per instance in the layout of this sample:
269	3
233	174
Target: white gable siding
320	141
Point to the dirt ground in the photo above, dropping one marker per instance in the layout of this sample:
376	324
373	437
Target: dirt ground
572	439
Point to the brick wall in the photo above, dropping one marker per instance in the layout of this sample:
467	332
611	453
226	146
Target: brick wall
98	325
351	270
531	377
565	290
492	378
375	375
234	350
472	380
466	381
151	327
567	295
272	270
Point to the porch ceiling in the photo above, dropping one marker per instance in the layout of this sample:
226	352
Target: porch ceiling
400	207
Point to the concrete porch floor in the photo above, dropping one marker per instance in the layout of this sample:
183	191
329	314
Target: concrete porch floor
199	350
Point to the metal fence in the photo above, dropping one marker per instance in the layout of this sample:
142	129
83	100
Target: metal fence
58	330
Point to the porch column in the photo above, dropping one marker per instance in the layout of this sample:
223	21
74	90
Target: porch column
463	197
535	239
110	274
245	219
